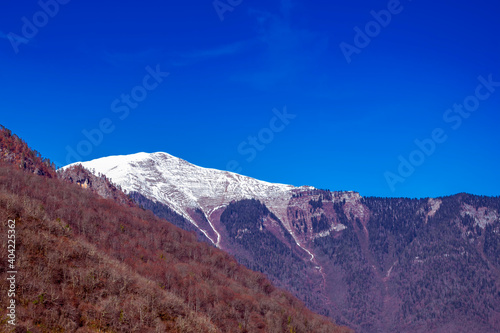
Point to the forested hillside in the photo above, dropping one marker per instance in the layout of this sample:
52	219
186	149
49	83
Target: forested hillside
90	264
15	151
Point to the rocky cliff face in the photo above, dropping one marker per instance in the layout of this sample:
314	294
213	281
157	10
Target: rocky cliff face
97	183
376	264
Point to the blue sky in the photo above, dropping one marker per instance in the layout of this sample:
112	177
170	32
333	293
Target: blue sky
322	93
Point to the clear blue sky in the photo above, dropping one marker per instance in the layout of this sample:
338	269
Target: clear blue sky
67	71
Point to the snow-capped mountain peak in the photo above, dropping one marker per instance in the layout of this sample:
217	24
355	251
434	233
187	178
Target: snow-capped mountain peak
186	187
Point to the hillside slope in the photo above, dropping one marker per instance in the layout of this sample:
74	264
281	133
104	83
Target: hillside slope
15	151
89	264
86	262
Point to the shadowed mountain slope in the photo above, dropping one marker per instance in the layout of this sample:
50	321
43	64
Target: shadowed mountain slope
374	264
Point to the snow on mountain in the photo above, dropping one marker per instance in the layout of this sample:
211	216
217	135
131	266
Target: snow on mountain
186	187
366	262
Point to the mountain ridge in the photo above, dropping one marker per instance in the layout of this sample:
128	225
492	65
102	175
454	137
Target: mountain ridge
350	256
229	185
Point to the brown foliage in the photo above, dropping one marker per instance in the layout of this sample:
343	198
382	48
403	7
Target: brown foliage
14	150
90	264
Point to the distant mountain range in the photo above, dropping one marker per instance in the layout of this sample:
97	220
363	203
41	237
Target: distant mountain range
374	264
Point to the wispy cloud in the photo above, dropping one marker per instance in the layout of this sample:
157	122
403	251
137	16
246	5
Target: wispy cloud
223	50
119	59
227	50
289	51
17	38
280	52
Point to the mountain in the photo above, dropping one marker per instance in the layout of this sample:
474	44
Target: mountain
375	264
193	192
84	263
96	183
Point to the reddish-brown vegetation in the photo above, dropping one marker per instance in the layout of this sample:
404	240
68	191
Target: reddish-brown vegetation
14	150
90	264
